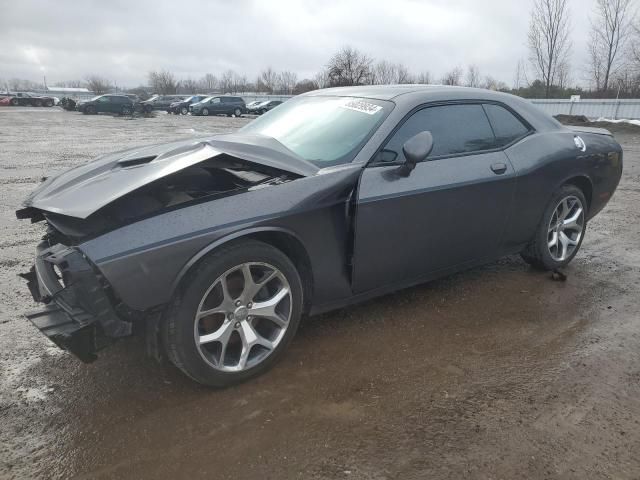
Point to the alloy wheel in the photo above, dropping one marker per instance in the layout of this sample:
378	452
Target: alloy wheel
243	316
565	228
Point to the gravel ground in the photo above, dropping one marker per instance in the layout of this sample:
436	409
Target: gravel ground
498	372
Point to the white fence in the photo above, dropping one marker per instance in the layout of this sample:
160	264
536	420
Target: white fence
592	109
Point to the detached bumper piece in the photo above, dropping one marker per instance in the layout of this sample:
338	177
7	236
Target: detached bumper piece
79	315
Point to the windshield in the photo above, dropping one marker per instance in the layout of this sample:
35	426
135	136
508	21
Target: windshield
326	131
95	98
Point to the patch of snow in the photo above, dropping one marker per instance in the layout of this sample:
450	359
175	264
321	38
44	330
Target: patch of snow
610	120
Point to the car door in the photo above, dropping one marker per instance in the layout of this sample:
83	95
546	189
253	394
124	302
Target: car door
215	106
449	211
103	104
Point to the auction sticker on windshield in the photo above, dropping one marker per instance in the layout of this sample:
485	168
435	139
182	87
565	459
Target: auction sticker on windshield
362	106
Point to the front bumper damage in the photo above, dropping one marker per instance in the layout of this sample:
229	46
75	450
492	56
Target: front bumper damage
79	315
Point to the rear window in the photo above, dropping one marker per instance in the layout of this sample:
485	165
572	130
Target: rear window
506	126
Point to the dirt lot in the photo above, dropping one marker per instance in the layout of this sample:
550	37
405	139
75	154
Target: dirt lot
498	372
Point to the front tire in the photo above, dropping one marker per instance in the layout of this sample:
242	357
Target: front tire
90	110
15	102
184	110
205	112
561	231
235	314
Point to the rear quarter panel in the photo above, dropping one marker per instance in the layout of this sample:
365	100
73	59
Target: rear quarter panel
545	161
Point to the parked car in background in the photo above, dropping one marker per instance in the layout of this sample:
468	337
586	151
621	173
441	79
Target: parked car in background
182	106
160	102
222	105
221	244
5	101
31	99
250	105
107	104
263	107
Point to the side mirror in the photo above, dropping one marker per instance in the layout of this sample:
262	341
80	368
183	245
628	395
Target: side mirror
415	150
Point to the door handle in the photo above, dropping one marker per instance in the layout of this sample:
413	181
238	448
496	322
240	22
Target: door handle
499	168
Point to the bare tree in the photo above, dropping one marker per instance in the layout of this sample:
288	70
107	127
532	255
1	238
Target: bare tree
349	67
269	78
610	30
491	83
383	73
209	82
163	82
321	79
520	78
473	76
453	77
403	75
287	82
304	86
424	78
227	84
549	39
189	85
98	85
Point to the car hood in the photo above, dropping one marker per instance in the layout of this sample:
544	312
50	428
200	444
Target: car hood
83	190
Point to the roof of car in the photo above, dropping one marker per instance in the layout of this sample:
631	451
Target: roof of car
388	92
410	96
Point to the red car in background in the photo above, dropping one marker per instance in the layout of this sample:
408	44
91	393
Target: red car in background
31	99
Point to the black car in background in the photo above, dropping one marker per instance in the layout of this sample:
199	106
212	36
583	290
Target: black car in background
182	106
221	105
160	102
263	107
107	104
31	99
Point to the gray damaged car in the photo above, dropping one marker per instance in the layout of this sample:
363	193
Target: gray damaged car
214	248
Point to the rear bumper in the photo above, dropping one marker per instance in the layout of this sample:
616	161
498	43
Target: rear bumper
79	315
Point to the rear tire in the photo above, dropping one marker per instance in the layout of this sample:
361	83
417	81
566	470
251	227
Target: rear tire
237	112
225	347
560	232
48	103
126	110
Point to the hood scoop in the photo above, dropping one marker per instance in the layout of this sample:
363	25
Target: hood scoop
135	162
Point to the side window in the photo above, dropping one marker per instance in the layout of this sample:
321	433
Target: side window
456	129
506	126
215	100
104	100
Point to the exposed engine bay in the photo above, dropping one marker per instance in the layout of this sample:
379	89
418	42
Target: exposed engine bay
219	176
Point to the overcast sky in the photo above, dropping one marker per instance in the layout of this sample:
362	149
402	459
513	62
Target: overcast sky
123	40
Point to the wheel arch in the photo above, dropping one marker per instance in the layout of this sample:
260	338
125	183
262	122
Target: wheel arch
283	239
583	183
